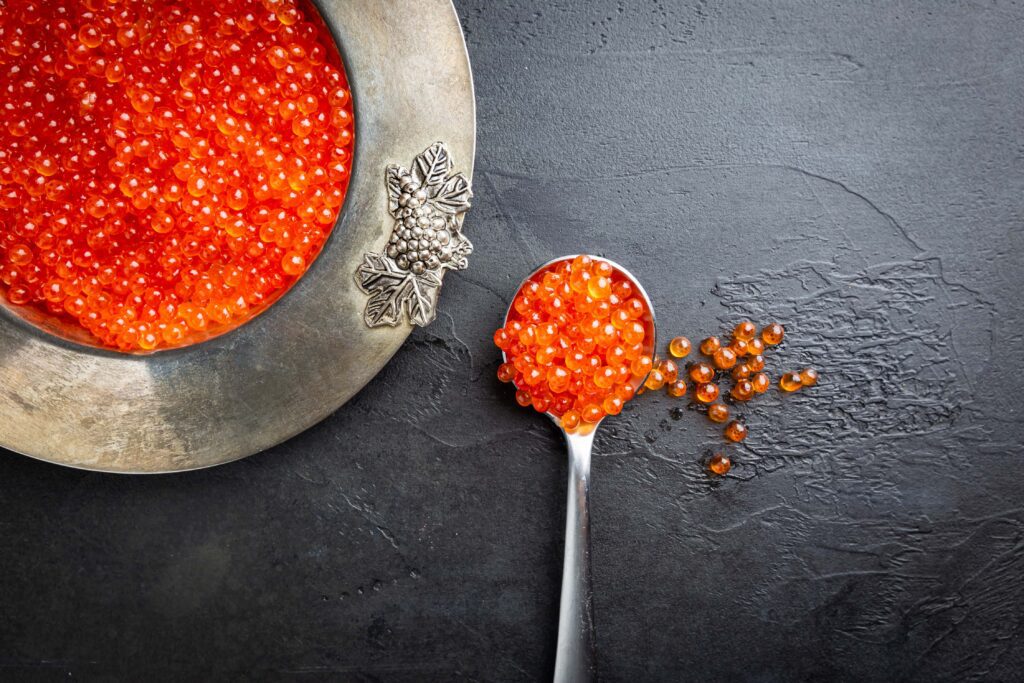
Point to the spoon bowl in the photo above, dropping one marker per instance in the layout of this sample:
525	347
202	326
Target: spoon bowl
575	654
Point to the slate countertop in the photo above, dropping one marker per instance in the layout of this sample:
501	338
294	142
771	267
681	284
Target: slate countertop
853	170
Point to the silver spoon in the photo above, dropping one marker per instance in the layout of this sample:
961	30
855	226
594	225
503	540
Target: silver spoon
575	655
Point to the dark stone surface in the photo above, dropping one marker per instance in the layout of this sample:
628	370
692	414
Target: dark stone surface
854	170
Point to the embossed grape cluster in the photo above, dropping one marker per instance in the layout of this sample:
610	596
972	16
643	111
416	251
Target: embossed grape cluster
421	239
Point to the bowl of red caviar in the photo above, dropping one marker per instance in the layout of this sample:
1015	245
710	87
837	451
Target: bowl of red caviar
186	192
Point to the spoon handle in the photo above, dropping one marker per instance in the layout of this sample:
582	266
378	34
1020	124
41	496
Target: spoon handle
574	660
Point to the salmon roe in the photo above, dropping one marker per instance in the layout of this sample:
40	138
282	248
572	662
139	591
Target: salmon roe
718	412
790	381
167	169
772	334
720	464
679	347
735	431
578	342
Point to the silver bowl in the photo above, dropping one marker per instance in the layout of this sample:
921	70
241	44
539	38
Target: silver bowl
278	374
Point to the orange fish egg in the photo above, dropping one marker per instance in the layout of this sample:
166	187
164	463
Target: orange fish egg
677	388
679	347
772	334
790	381
720	464
718	412
735	431
710	345
745	331
706	393
742	390
701	373
724	358
808	377
741	371
668	369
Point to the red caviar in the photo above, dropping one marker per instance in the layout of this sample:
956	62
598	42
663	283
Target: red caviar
166	169
577	341
720	464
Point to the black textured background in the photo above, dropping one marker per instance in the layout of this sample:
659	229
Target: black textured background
854	170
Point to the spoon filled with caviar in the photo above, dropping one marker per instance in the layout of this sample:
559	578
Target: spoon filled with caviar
577	342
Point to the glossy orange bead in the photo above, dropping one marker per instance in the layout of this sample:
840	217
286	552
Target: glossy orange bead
612	405
720	464
790	381
602	268
620	317
592	413
677	388
668	369
570	420
502	339
546	355
755	346
633	333
745	331
701	373
575	358
606	377
616	355
599	287
533	376
755	362
138	187
655	380
741	371
558	379
582	264
634	307
506	372
546	333
523	397
735	431
742	390
718	412
641	366
739	347
606	335
772	334
709	345
578	279
706	393
808	377
679	347
19	255
293	263
760	382
724	358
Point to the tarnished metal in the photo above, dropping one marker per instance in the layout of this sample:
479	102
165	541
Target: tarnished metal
294	364
428	202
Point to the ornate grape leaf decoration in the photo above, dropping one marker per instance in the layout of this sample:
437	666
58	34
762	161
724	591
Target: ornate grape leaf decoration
391	177
460	257
394	292
431	168
454	195
428	203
